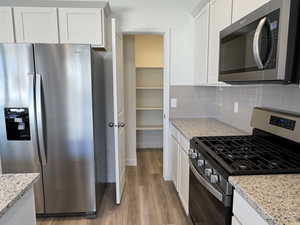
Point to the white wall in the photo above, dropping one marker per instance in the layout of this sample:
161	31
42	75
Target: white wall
166	14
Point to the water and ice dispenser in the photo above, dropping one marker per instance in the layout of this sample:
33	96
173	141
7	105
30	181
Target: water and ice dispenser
17	124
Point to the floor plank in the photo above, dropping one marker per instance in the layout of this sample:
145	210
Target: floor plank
147	200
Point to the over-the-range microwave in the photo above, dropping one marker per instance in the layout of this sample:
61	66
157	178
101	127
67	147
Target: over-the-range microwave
262	47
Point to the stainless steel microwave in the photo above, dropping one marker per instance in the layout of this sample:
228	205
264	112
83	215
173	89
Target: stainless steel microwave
261	47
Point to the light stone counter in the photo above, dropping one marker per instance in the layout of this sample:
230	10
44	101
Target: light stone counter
275	197
13	187
204	127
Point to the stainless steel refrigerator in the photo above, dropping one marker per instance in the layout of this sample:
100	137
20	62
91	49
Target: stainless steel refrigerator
52	122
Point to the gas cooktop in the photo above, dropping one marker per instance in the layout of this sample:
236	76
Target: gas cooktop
241	155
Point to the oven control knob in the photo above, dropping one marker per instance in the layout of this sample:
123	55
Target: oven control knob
208	172
193	154
200	162
214	179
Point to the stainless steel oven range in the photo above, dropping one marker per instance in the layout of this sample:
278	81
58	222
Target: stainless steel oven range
272	148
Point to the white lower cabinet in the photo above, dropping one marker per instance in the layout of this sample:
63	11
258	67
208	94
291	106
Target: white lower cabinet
174	149
184	179
22	212
180	167
243	213
235	221
179	172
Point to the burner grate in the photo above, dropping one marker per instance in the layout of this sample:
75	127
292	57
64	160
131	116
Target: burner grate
251	154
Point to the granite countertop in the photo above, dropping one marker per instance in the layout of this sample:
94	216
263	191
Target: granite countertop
204	127
275	197
13	187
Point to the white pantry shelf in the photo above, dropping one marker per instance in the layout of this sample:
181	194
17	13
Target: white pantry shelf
149	127
149	67
148	108
150	88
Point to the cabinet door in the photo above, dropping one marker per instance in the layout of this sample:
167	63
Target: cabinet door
174	149
241	8
184	179
36	25
81	26
244	213
201	46
234	221
220	18
7	27
178	170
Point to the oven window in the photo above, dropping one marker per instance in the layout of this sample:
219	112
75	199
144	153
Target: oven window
204	208
237	52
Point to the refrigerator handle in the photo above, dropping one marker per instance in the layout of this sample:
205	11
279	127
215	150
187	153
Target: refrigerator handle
39	117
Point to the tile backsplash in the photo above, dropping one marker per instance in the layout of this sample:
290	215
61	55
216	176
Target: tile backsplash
218	102
193	102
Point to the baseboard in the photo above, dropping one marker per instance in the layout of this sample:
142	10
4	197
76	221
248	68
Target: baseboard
131	162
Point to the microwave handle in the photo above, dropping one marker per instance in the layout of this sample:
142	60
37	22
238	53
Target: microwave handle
256	51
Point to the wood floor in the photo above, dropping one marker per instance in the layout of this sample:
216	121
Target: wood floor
147	199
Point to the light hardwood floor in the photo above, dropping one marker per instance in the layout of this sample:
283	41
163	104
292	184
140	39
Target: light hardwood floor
147	199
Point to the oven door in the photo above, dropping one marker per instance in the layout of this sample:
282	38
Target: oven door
248	52
207	206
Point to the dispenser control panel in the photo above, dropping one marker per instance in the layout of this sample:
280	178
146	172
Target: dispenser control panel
17	124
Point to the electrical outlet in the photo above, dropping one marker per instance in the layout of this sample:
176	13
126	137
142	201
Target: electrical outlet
236	107
173	102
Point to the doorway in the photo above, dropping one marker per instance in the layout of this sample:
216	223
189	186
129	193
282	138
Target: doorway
147	94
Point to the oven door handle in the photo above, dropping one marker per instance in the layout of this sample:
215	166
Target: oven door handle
206	184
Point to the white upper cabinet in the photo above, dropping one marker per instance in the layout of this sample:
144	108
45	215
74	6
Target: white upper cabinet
7	30
36	25
53	22
243	7
81	25
220	18
201	46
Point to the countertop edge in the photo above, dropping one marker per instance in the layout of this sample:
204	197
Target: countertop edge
252	203
173	122
19	195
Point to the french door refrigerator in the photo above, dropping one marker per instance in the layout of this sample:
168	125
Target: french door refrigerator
48	120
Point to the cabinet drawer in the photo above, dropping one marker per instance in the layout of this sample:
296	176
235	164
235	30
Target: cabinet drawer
244	212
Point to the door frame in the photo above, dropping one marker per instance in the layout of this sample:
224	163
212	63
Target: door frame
166	33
